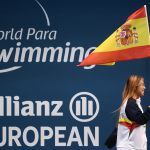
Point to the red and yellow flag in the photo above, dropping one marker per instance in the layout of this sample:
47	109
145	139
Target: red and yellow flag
130	41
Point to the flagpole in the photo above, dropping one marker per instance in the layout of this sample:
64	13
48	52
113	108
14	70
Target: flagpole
147	21
148	58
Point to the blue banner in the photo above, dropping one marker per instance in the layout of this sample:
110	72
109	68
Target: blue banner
46	101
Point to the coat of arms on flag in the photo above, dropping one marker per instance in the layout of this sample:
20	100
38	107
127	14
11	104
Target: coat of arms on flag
126	35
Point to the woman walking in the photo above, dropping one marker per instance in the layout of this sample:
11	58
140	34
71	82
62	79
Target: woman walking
131	124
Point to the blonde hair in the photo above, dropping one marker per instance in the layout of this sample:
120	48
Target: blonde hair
130	86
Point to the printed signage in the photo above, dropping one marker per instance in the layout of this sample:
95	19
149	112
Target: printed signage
46	100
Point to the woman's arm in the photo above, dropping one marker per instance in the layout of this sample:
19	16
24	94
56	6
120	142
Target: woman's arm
134	113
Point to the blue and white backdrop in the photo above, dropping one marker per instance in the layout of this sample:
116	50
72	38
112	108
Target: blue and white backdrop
46	101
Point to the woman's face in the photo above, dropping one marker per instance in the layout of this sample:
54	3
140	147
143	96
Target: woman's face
140	88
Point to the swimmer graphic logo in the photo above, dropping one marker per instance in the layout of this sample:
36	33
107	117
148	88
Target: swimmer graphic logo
3	53
84	106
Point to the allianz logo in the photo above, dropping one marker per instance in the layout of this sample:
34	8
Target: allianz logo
82	106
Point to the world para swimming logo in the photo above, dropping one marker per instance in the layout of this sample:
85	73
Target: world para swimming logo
19	53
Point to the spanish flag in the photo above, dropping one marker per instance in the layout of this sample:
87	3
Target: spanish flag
130	41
